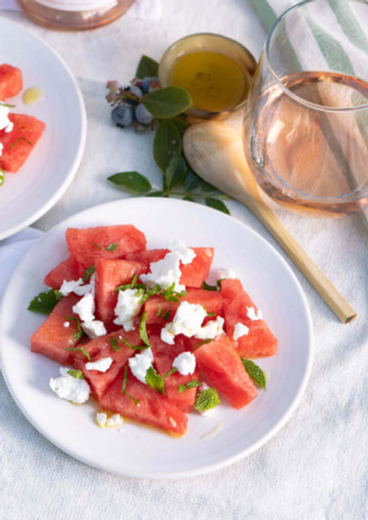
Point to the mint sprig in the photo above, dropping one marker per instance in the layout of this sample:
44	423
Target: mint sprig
88	272
255	373
78	374
155	381
136	401
166	315
191	384
114	344
82	349
143	330
207	400
45	302
171	295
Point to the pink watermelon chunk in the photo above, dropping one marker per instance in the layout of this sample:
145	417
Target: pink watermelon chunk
52	338
154	408
260	342
68	270
211	300
109	275
164	356
86	245
193	274
101	348
16	147
11	82
222	365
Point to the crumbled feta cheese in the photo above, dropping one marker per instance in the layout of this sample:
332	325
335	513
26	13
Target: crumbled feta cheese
212	329
240	330
94	329
101	419
1	149
85	308
167	336
66	324
115	420
92	283
253	315
127	307
101	365
70	388
5	123
167	271
188	320
225	273
75	286
140	363
185	363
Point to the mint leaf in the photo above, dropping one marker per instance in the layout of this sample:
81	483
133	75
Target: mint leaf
219	282
167	102
2	176
166	315
192	181
7	105
209	287
155	381
143	330
132	285
80	332
136	401
45	302
216	204
88	272
172	371
82	349
211	314
133	181
191	384
155	289
207	400
158	313
133	347
99	247
171	295
200	343
20	139
147	68
255	373
176	170
112	247
114	344
78	374
167	143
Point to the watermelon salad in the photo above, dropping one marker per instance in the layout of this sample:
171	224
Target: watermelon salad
19	133
142	332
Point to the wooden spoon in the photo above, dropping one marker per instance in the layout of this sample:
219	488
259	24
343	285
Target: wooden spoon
215	152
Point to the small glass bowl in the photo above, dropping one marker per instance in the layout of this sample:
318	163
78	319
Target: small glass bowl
206	42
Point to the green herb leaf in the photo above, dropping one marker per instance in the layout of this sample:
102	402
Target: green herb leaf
6	105
155	381
133	181
82	349
147	68
166	315
171	371
114	344
112	247
207	400
157	194
2	176
255	373
78	374
80	333
171	295
45	302
167	102
143	330
175	173
188	198
136	401
159	310
200	343
191	384
211	314
88	272
133	347
192	181
209	287
219	282
20	139
155	289
99	247
167	143
216	204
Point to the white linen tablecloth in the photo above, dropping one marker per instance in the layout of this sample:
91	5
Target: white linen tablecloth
316	468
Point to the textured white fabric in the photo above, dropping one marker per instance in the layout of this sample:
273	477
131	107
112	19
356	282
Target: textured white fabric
316	468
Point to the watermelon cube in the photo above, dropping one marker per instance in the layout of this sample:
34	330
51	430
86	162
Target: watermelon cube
68	270
222	365
101	348
11	82
153	408
259	342
86	245
52	338
19	143
109	275
193	274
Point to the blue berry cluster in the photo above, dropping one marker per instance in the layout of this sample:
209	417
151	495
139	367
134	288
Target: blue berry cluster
131	109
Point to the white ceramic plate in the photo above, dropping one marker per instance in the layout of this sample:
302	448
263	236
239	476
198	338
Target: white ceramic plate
140	451
31	192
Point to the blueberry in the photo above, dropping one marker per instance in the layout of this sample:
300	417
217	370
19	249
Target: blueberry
136	90
142	115
146	84
122	116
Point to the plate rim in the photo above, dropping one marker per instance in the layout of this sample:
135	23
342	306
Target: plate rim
209	468
82	141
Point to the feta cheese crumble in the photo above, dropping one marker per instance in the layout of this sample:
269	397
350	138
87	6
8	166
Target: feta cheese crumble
212	329
1	149
185	363
140	363
188	320
5	123
85	308
101	365
167	271
240	330
70	388
115	420
127	308
101	419
94	329
253	315
75	286
225	273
